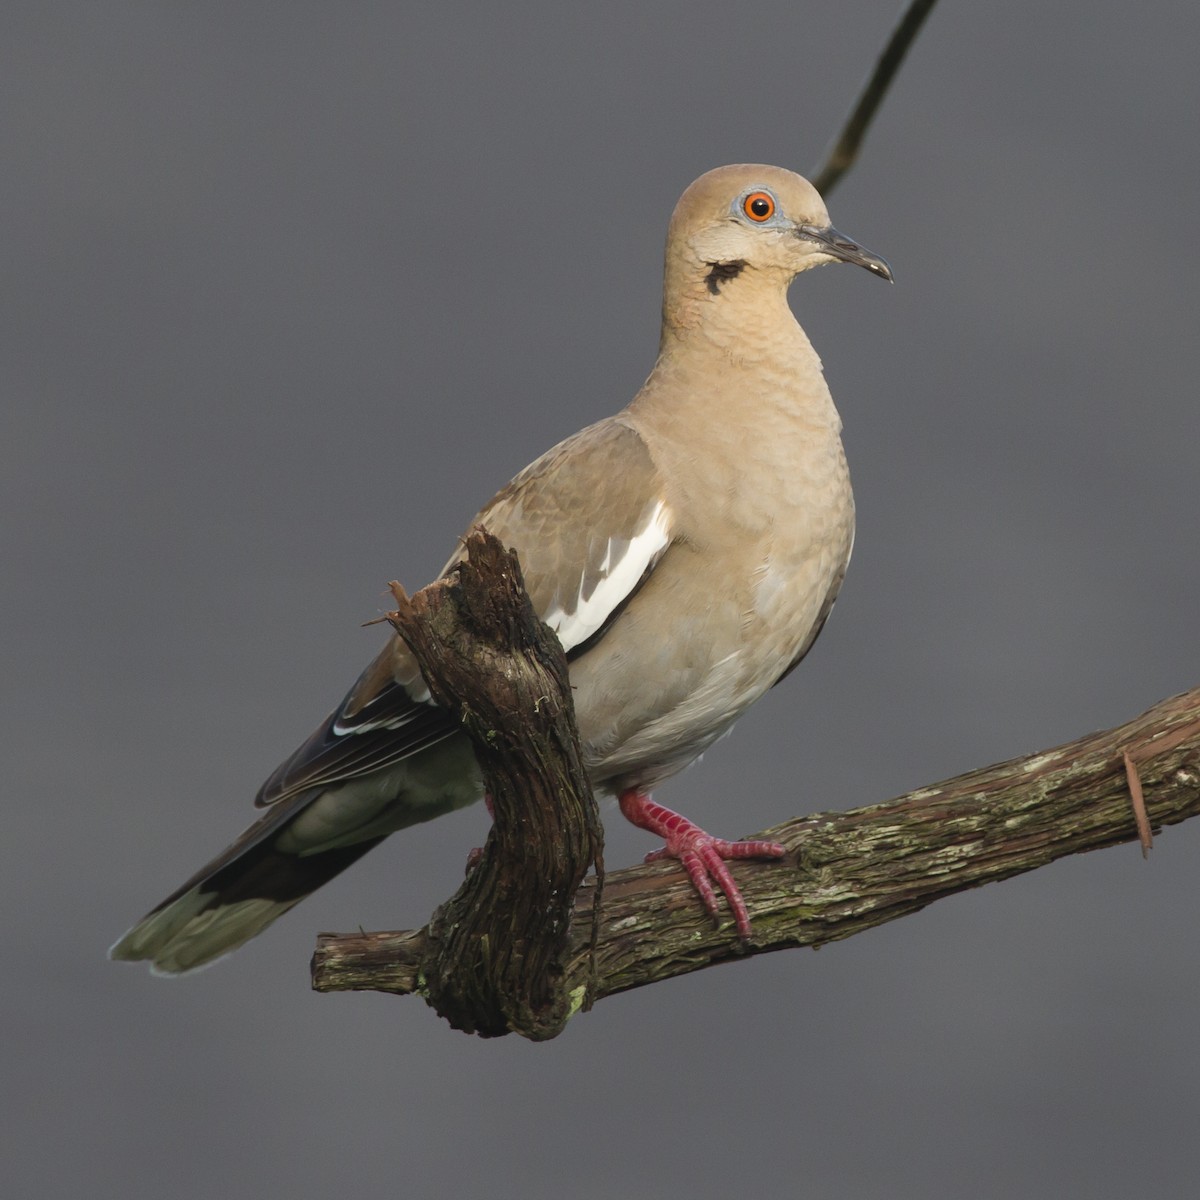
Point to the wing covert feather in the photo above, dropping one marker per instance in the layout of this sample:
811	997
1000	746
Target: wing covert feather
589	522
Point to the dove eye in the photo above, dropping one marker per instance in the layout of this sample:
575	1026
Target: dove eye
759	206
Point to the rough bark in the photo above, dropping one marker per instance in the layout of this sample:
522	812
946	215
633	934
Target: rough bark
512	953
493	956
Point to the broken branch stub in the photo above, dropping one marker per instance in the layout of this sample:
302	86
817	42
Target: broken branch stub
494	955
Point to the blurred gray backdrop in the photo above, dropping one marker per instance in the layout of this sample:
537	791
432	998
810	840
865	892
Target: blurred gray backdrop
290	289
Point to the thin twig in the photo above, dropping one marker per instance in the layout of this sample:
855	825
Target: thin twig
1138	801
845	149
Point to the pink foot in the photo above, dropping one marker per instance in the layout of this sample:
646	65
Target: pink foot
700	854
473	856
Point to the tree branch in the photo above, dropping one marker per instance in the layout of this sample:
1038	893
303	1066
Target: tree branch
844	152
845	872
493	955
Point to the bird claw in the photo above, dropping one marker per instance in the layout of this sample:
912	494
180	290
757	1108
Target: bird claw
475	856
700	854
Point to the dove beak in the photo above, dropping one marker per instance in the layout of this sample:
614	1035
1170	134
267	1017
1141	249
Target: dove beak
838	245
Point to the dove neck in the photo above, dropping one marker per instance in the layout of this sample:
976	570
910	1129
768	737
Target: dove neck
752	360
743	328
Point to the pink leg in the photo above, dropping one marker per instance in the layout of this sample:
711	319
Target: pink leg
473	856
700	854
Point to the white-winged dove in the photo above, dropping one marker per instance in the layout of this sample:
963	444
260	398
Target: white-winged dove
686	551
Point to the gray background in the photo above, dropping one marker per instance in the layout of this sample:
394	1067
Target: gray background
289	290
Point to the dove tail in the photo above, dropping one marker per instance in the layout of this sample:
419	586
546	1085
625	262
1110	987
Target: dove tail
229	901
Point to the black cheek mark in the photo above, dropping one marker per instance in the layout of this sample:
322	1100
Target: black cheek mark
723	272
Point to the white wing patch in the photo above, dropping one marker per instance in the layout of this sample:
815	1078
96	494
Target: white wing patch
394	715
619	572
343	728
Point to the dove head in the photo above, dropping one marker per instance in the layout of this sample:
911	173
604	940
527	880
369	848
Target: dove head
750	225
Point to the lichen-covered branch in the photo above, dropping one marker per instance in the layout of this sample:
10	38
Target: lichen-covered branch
845	872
